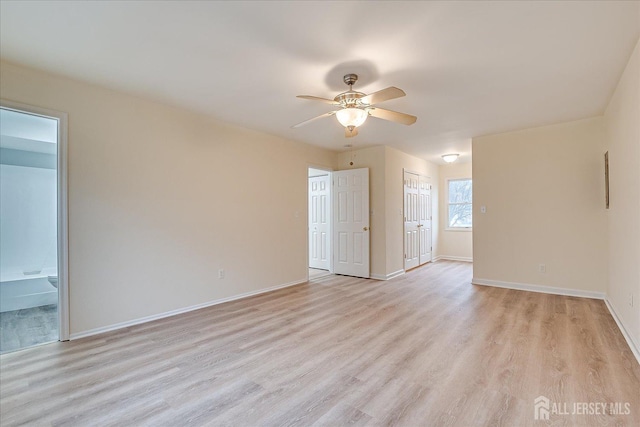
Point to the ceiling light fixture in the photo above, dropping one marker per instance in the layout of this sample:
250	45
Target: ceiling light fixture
354	107
450	158
351	117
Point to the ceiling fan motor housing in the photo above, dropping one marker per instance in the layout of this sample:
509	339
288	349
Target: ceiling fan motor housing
350	79
349	99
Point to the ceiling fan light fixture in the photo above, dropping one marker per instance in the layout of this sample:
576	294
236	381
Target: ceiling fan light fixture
353	108
450	158
351	116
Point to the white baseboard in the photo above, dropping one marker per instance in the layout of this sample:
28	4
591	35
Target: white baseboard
388	276
452	258
153	317
633	345
538	288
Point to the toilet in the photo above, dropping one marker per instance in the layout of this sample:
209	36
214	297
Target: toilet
53	280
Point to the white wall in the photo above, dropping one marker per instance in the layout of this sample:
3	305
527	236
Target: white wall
27	222
161	198
622	123
544	193
453	244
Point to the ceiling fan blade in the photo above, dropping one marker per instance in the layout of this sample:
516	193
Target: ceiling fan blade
330	113
317	98
382	95
350	133
394	116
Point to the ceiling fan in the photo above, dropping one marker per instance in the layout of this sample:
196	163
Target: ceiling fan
355	107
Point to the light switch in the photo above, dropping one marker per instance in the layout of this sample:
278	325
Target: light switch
483	209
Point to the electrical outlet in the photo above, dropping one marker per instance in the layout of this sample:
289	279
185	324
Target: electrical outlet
542	268
221	274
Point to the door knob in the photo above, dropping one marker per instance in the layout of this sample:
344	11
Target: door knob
365	228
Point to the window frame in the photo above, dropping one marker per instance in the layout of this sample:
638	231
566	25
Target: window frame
448	204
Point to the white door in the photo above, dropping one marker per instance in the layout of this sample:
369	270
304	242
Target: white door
351	222
424	210
319	222
411	221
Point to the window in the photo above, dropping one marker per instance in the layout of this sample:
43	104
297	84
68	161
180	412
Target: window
459	192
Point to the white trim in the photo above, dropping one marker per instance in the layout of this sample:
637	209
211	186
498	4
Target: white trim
415	173
158	316
538	288
633	345
453	258
388	276
62	202
325	168
447	227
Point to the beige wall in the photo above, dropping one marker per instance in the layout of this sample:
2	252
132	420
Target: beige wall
622	123
161	198
453	244
543	189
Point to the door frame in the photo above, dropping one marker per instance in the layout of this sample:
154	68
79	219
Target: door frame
62	208
330	254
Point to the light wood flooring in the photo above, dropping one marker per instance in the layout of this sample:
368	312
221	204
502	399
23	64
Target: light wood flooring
426	348
315	273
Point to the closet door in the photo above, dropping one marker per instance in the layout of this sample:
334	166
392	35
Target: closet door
411	221
424	197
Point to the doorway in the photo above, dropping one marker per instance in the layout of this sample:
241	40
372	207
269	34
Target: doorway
319	223
338	231
33	227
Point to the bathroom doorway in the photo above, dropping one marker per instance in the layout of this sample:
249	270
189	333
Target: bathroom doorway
33	227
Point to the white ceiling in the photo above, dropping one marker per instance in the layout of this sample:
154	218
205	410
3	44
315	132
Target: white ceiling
468	68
